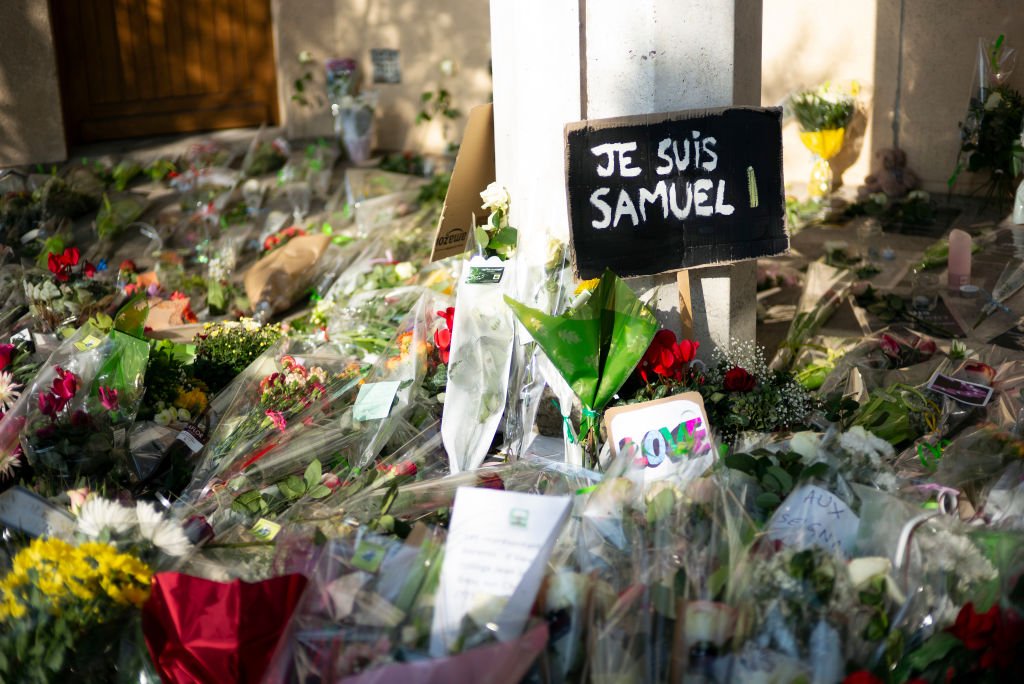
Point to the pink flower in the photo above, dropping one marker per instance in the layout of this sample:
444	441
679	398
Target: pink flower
331	481
78	497
278	419
65	385
6	355
108	397
47	405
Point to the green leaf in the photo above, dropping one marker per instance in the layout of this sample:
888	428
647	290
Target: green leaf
293	487
784	478
313	474
767	500
482	238
936	648
742	462
318	492
818	470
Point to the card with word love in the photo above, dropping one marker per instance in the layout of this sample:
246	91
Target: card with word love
662	438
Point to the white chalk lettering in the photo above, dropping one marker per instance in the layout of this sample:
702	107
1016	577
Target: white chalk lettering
646	196
700	197
674	205
665	168
625	206
720	206
612	149
603	207
712	163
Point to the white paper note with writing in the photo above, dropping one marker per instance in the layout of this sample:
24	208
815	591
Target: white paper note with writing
494	561
812	516
23	510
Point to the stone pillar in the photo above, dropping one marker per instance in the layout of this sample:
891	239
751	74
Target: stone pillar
556	62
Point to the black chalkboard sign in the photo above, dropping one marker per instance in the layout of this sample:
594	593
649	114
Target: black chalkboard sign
662	192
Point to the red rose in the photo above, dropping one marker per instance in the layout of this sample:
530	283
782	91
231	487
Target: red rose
665	357
89	270
6	355
1004	652
127	266
975	630
739	380
862	677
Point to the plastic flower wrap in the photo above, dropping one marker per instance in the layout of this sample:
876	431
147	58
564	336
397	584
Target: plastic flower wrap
69	294
594	346
826	288
281	397
367	618
73	419
481	339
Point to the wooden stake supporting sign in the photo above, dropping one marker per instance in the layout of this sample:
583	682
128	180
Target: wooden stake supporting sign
658	193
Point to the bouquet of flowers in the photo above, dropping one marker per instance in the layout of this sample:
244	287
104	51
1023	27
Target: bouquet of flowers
480	339
69	294
223	350
72	420
823	114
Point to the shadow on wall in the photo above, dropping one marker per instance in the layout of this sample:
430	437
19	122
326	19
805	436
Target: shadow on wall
31	124
852	146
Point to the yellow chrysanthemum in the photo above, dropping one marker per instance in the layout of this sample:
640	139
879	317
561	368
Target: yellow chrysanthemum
587	285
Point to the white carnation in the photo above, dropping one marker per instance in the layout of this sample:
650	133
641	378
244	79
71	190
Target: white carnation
98	514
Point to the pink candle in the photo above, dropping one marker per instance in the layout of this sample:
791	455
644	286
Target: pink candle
959	259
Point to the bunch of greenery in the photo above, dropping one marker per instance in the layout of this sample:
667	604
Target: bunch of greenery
991	141
223	350
822	109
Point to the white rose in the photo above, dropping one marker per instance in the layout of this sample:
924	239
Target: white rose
495	197
405	270
806	444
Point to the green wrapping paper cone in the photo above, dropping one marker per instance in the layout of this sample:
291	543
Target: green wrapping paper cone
596	345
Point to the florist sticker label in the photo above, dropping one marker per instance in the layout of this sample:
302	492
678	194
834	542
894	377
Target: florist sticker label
374	400
21	509
812	516
663	437
656	193
965	392
498	548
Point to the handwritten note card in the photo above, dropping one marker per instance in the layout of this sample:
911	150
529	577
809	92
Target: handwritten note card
498	547
812	516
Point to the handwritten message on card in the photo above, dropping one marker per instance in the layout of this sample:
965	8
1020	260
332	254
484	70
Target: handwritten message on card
498	546
812	516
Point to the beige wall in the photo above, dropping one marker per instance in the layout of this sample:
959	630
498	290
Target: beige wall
31	124
803	45
806	44
425	33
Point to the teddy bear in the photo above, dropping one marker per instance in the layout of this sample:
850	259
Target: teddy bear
894	178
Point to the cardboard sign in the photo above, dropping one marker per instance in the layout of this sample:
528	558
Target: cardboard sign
662	192
662	437
473	172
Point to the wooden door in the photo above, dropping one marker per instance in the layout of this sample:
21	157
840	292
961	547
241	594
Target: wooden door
147	67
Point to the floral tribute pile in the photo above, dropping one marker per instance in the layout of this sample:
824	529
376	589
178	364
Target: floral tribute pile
242	455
